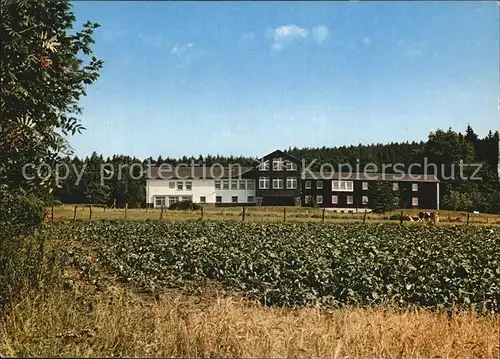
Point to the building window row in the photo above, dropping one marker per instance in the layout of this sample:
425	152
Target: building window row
348	186
342	186
234	199
163	201
278	165
181	185
234	185
414	186
277	183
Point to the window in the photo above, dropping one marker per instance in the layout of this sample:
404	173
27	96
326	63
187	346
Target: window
243	184
291	183
234	184
225	184
171	184
414	187
319	184
277	183
395	186
277	164
189	186
319	199
250	199
264	166
350	199
342	186
159	201
264	183
217	184
414	201
186	198
364	186
203	199
172	200
290	166
364	200
218	199
180	186
234	199
335	199
250	185
308	184
307	199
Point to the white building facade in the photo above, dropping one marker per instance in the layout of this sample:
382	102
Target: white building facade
160	192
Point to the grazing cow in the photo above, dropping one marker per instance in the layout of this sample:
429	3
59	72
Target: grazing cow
424	216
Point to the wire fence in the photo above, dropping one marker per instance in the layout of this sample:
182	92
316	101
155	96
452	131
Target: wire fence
284	214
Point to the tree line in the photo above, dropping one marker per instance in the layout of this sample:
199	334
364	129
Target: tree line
445	149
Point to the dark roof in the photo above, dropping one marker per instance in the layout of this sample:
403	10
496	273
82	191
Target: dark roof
370	176
280	153
196	172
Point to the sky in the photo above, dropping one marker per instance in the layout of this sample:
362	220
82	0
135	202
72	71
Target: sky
246	78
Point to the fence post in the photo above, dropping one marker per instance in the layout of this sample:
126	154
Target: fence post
161	213
90	212
201	212
74	214
468	218
52	213
284	214
323	216
243	214
126	210
364	217
401	218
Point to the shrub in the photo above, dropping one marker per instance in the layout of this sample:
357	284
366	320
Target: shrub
384	198
311	203
19	214
184	206
24	262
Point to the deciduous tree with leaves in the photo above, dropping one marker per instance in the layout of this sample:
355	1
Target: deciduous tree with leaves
385	199
45	68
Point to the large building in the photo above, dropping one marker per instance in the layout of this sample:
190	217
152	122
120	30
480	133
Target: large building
279	179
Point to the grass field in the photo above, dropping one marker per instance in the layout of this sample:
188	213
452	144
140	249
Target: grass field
67	212
85	322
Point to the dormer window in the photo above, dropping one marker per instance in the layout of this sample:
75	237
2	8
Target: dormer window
264	166
290	166
277	164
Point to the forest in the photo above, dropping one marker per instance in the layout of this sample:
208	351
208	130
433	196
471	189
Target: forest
442	148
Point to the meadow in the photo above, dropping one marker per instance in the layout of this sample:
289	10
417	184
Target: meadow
256	214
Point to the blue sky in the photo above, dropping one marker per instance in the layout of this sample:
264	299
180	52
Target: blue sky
245	78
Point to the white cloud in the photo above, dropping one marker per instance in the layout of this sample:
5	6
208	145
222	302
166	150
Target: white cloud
320	33
181	50
285	34
410	50
185	53
366	41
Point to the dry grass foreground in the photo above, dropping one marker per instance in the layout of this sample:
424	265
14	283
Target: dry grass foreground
116	323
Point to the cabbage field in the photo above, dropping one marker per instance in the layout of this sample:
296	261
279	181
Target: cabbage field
296	264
